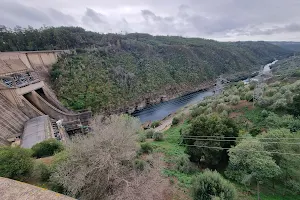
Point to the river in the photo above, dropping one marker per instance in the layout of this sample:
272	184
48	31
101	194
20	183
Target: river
161	110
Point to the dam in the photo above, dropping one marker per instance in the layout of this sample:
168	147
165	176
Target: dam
25	94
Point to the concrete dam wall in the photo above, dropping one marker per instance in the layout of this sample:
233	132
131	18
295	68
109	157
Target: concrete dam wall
24	95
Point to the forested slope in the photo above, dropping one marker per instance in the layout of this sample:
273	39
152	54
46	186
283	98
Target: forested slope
111	71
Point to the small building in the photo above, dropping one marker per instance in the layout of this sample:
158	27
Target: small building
36	130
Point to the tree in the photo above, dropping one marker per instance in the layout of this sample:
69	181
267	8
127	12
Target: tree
212	125
294	107
99	164
249	162
211	185
47	148
287	161
15	162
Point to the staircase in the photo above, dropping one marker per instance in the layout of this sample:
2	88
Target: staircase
55	129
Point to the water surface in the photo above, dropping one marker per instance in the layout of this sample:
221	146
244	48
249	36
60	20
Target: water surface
161	110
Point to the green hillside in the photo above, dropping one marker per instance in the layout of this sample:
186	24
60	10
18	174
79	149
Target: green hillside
113	71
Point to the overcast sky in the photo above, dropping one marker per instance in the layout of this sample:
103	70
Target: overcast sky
225	20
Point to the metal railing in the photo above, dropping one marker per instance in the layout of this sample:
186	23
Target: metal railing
20	79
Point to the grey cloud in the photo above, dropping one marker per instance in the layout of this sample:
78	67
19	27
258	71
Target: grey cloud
64	19
253	31
93	15
201	18
17	14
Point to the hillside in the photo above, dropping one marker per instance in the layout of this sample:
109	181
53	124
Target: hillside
112	71
293	46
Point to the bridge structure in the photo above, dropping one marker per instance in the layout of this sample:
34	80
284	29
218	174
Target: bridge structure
25	94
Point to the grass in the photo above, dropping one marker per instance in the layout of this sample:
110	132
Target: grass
172	149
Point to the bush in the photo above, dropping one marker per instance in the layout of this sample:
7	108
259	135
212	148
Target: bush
146	148
254	131
158	136
41	172
155	124
139	165
47	148
221	107
142	137
198	111
175	121
184	165
211	185
149	133
234	99
264	113
15	162
249	96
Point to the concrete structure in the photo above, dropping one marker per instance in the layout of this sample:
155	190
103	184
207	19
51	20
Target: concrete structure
36	130
24	93
16	190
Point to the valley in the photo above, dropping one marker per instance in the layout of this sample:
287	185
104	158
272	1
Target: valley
222	118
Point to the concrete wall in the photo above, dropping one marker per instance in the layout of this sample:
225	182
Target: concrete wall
12	120
14	62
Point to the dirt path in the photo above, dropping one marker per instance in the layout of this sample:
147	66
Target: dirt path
166	123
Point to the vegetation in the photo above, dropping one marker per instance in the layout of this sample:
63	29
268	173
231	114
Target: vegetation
146	148
158	136
175	121
211	185
149	133
105	161
263	158
155	124
15	162
112	71
209	125
46	148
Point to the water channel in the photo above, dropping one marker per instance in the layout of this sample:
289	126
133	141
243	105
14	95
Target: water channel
161	110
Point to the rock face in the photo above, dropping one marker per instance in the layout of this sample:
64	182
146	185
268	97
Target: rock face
166	96
15	190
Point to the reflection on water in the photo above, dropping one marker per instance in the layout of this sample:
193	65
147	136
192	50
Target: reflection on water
161	110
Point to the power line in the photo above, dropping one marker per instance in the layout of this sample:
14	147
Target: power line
225	137
218	140
223	148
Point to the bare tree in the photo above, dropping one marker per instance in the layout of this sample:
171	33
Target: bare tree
99	165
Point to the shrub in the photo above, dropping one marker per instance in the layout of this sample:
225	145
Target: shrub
41	172
270	92
210	185
47	148
175	121
184	165
208	110
139	165
254	131
198	111
158	136
146	148
142	137
224	113
221	107
15	162
249	96
293	185
252	85
264	113
155	124
149	133
234	99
